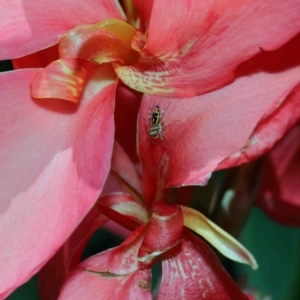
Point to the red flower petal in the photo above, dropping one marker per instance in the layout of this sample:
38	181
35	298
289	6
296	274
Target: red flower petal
29	26
279	196
127	107
279	119
199	133
123	209
62	79
197	48
282	115
53	168
192	271
113	274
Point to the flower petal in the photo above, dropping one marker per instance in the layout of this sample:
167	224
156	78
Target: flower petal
217	237
281	116
279	196
126	112
201	43
103	42
29	26
125	206
53	168
113	274
278	120
62	79
191	271
199	133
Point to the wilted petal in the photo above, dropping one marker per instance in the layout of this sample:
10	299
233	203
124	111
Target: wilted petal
62	79
113	274
279	196
192	271
217	237
197	48
239	192
29	26
199	133
55	157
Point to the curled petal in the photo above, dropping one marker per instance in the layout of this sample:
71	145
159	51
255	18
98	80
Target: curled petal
103	42
113	274
201	43
191	271
53	168
29	26
62	79
217	237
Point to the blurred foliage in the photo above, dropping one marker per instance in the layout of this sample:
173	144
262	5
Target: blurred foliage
276	249
28	291
5	65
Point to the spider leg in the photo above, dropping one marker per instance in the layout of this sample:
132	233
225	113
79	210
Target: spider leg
164	110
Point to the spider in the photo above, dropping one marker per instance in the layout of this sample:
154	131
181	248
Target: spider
156	126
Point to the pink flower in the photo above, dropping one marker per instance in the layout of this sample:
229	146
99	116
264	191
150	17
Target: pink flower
55	155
